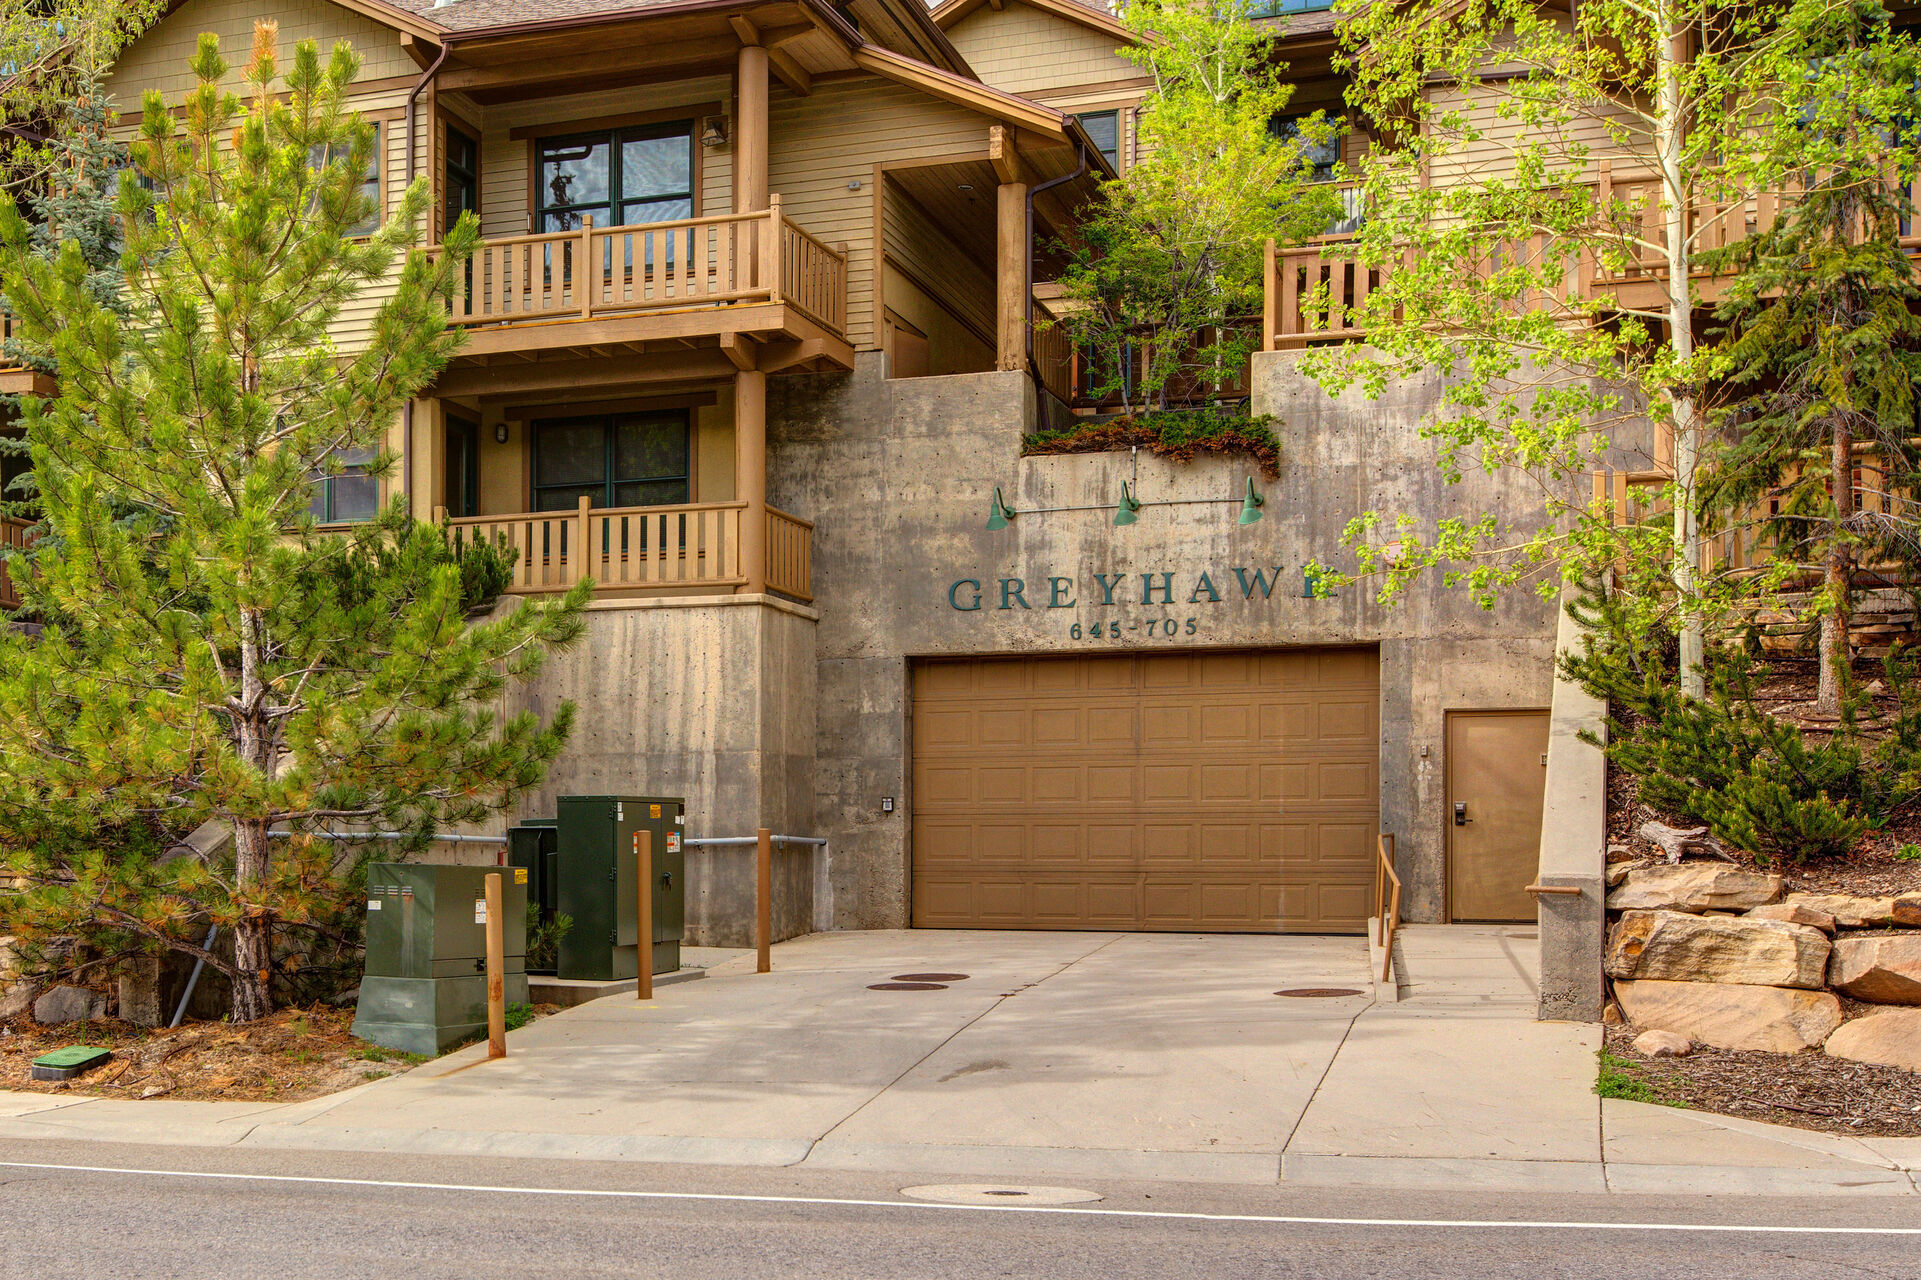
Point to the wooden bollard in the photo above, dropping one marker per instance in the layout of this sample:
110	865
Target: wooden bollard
644	850
496	970
764	900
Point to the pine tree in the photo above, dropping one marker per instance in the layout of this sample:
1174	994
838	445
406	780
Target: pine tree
210	656
1822	353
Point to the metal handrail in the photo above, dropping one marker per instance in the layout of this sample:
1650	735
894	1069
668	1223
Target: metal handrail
1387	900
763	841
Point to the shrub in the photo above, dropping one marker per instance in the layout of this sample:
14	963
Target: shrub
1178	435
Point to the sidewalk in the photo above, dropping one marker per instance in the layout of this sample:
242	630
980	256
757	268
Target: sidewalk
1064	1055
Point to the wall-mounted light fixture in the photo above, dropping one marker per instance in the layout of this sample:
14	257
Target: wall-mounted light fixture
714	132
1127	510
500	433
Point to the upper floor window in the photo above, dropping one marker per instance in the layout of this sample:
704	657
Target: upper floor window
618	178
321	155
1323	156
462	188
1104	129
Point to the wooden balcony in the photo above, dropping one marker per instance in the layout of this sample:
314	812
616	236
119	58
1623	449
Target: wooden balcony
756	275
15	378
1063	370
1315	290
682	550
13	537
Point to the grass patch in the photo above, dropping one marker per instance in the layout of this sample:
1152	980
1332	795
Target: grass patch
1615	1081
1179	435
519	1015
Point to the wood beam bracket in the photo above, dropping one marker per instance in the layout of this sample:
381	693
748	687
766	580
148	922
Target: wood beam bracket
740	349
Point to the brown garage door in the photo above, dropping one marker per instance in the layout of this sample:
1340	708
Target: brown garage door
1224	791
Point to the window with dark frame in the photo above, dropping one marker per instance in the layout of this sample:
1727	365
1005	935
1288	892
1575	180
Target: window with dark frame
612	460
349	497
1104	131
321	155
1275	8
1324	159
462	187
619	178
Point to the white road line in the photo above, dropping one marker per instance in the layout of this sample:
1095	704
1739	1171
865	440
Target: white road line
1058	1210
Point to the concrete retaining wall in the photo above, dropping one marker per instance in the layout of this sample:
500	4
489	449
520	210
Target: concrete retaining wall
1573	851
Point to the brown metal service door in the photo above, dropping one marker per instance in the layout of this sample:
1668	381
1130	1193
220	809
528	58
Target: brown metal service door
1190	791
1496	777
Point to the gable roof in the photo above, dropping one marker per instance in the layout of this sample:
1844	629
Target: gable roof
949	12
396	15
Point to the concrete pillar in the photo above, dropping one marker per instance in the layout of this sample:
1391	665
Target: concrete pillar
750	131
1010	291
140	1001
750	474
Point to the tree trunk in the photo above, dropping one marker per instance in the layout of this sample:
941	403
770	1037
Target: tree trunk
1837	661
252	846
1675	190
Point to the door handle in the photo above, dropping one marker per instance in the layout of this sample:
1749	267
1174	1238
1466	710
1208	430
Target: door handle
1460	813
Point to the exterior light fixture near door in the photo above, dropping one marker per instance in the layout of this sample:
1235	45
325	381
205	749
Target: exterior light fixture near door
1128	510
500	433
1000	513
965	186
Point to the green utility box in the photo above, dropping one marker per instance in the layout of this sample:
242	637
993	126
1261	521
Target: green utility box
599	859
425	986
534	847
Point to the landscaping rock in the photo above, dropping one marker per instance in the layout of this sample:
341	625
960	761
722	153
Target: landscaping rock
1795	913
1663	1044
1695	886
68	1004
1890	1038
1617	873
1883	970
1907	913
1848	911
1731	1016
17	1001
9	958
1677	947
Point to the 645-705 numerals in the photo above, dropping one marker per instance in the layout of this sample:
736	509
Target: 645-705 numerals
1154	627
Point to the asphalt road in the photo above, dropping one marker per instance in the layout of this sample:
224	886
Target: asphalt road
96	1211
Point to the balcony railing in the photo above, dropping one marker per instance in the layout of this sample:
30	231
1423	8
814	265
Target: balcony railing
1070	373
690	549
656	266
13	537
1314	291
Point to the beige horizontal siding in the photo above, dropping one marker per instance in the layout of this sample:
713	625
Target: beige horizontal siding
1024	50
159	59
924	252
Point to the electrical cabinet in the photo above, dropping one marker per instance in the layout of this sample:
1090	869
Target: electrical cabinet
596	869
425	985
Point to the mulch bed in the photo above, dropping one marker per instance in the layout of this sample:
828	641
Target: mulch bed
1806	1090
294	1055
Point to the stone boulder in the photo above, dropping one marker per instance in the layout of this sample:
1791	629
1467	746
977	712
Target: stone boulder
1890	1038
1695	886
1849	911
1795	913
1730	1016
1663	1044
1677	947
69	1004
17	1000
9	957
1884	970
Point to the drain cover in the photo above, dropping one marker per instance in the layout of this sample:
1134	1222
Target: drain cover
906	986
998	1193
930	977
1318	992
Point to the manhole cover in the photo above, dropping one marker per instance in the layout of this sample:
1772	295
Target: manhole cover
930	977
998	1193
1308	993
906	986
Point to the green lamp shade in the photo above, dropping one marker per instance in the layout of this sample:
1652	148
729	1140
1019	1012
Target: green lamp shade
1251	505
1128	511
999	514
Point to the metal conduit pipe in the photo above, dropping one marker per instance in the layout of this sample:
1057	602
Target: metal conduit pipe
710	841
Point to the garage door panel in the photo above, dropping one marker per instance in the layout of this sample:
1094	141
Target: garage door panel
1174	791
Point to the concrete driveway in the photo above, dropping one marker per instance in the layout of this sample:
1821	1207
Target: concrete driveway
1119	1053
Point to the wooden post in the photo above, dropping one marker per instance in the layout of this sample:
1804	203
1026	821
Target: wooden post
750	474
1270	298
581	561
764	900
496	970
1010	291
586	270
771	239
750	130
644	850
